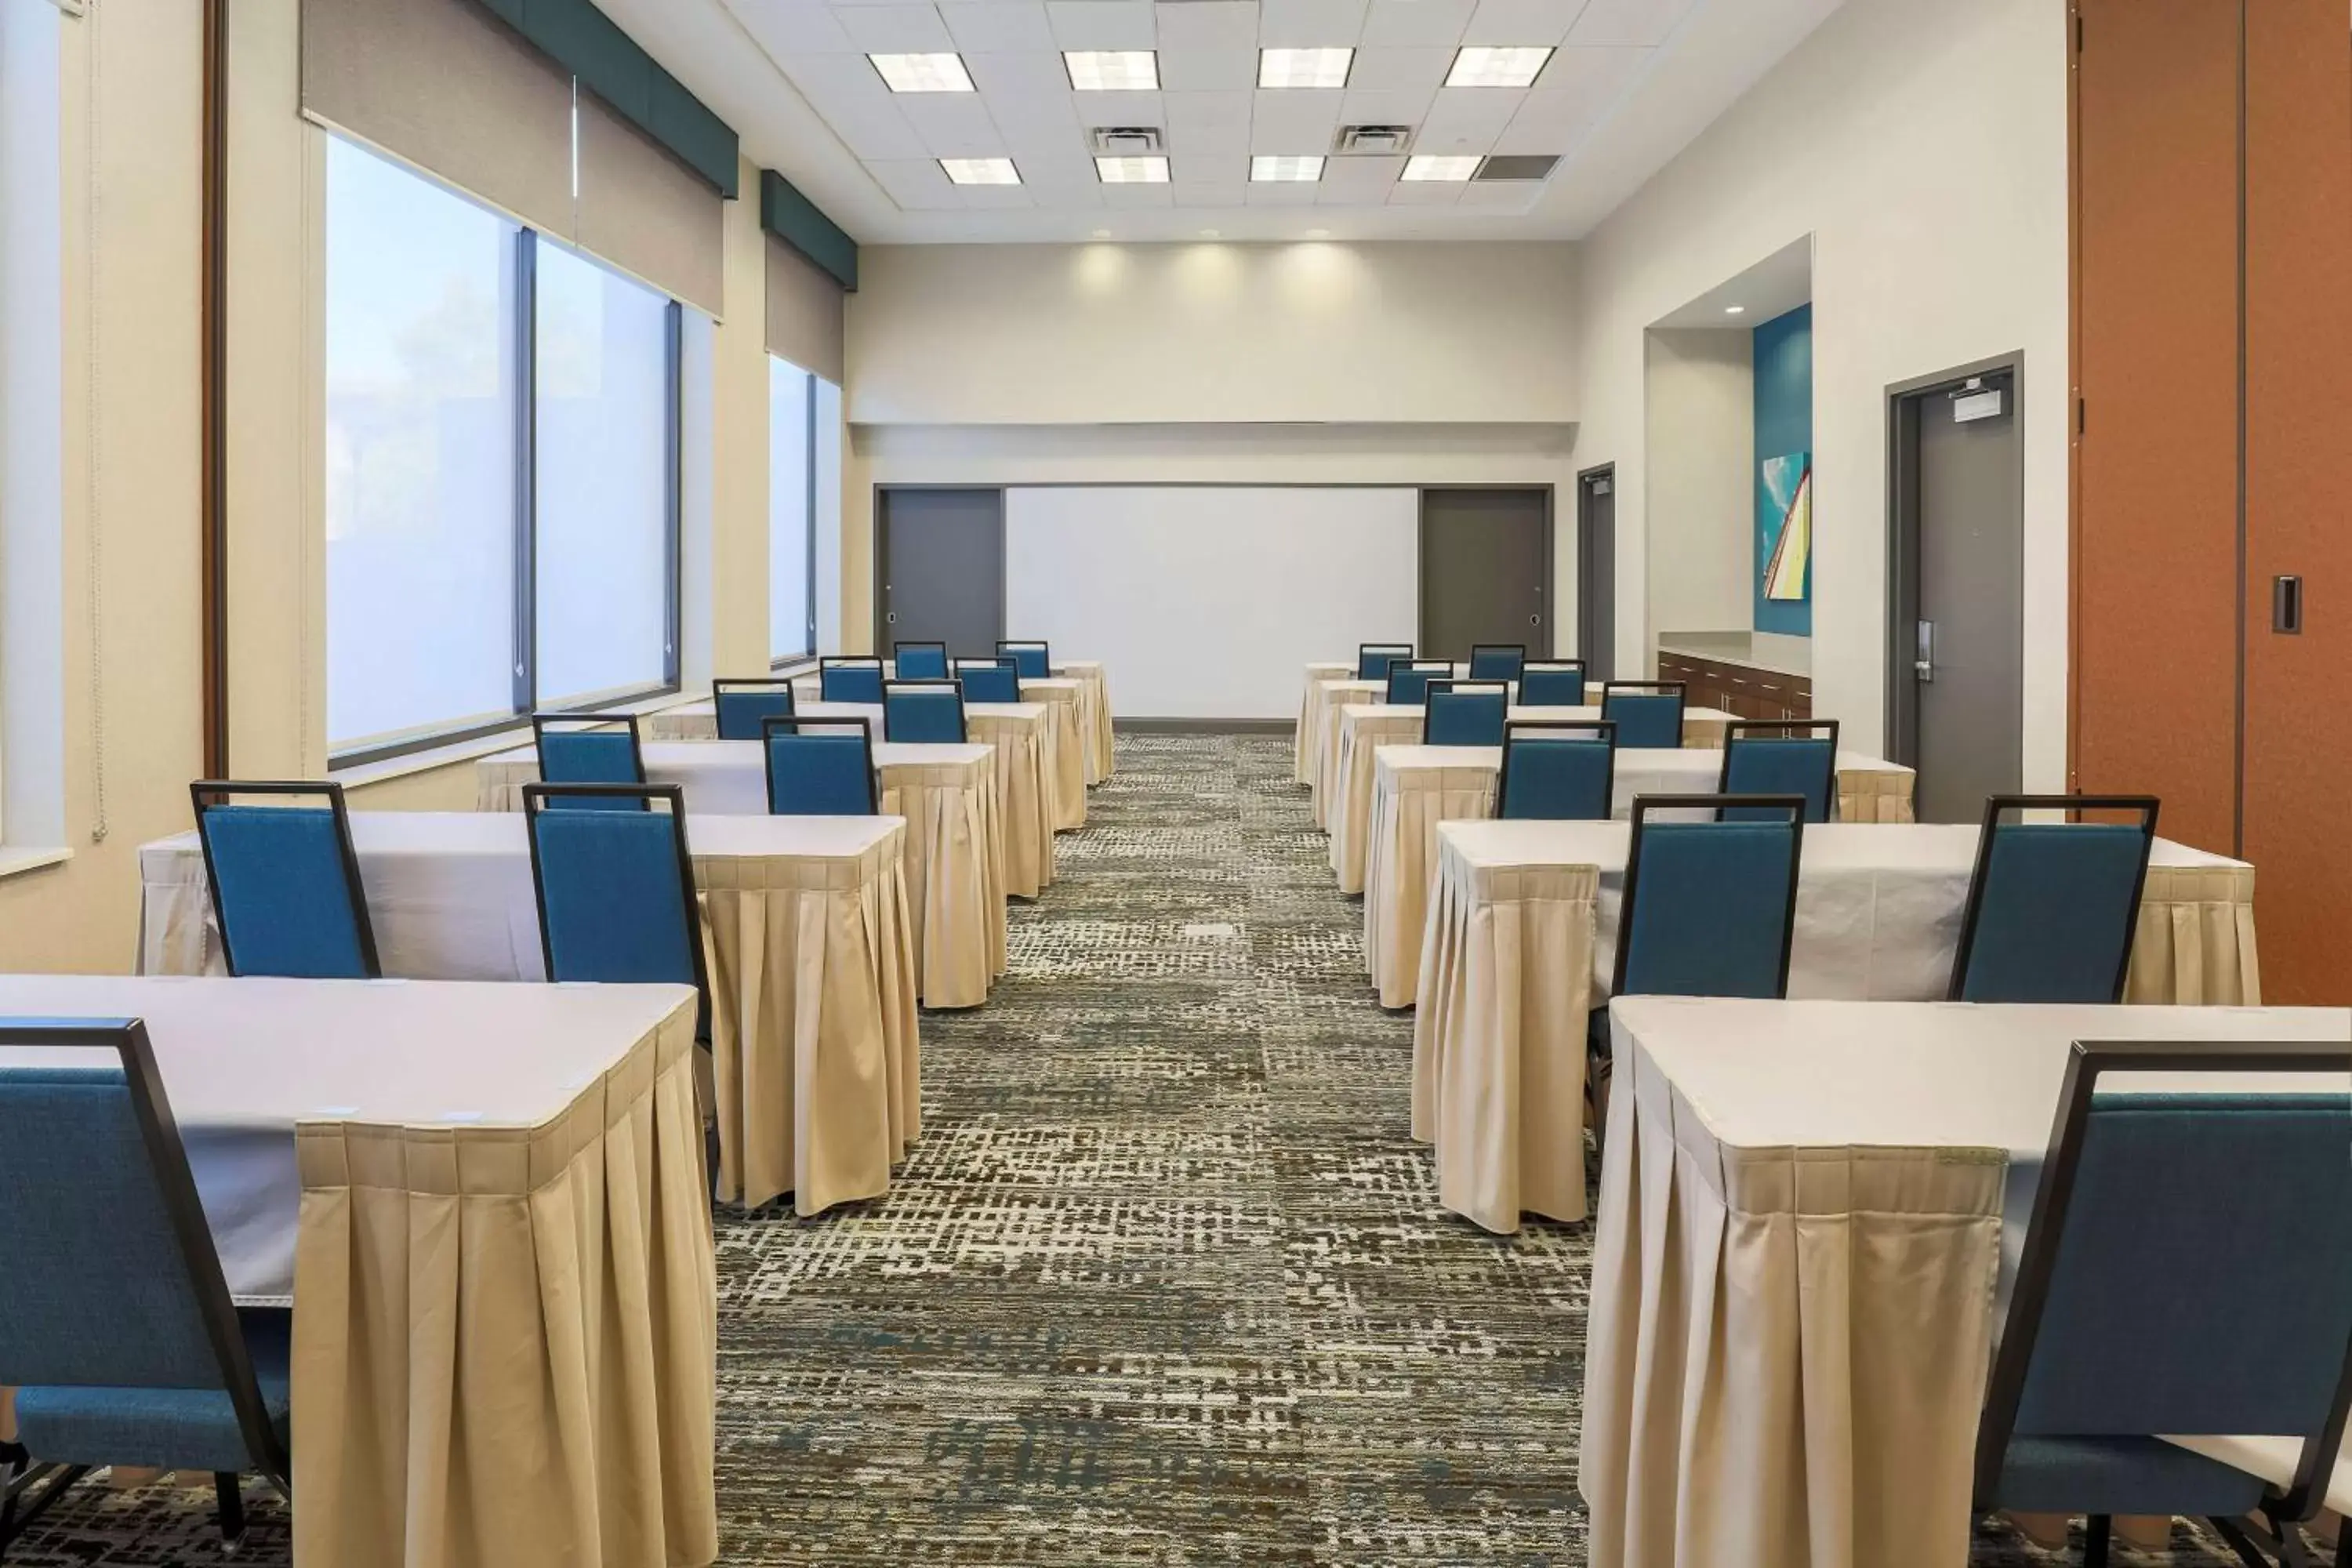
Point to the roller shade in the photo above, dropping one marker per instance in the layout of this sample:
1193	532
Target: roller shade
645	213
804	312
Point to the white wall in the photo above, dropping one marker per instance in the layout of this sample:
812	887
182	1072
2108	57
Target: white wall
1700	431
1922	144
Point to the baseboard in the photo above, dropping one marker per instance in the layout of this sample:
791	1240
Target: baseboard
1204	726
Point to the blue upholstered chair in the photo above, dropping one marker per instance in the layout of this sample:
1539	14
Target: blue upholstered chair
1558	772
919	660
285	880
116	1326
1710	907
1796	756
1035	660
1462	714
989	679
1648	713
2052	905
824	769
849	679
1552	683
2187	1269
1409	679
1498	660
1373	658
616	889
742	703
923	711
587	748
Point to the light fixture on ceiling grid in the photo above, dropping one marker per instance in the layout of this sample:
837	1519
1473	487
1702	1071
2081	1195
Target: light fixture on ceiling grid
1146	171
923	73
980	171
1439	166
1266	169
1486	64
1304	67
1112	70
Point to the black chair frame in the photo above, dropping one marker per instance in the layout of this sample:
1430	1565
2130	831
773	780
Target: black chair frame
1644	804
722	683
780	726
1463	683
218	791
2075	805
1779	730
542	723
1602	729
1394	651
2046	1231
963	718
34	1486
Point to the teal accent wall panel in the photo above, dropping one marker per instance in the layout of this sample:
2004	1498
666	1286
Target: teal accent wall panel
796	220
1784	428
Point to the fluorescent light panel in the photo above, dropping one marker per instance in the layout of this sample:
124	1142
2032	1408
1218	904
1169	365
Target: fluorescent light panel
1131	171
1304	67
1481	64
1265	169
980	171
1112	70
923	73
1438	166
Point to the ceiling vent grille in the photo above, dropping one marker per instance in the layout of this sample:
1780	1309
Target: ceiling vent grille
1516	166
1125	141
1373	140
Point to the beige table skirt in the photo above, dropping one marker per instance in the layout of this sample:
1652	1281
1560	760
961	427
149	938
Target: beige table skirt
505	1341
1065	748
1305	745
1094	717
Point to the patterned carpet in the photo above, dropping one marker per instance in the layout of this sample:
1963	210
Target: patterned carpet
1165	1281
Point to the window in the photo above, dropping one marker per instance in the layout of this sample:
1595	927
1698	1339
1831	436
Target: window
502	469
791	479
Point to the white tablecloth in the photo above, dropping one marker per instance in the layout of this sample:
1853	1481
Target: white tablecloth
1070	735
1807	1213
1414	788
1522	939
1332	686
955	838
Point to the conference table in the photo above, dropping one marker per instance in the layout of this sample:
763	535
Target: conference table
1028	769
954	847
815	1052
1093	703
486	1204
1809	1214
1362	730
1522	939
1332	686
1076	743
1414	788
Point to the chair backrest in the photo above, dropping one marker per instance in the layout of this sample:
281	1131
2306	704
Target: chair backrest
849	678
923	711
1498	660
2052	905
1796	756
1558	772
2188	1267
826	770
1462	714
1409	679
286	880
1035	660
1373	658
989	679
616	891
1552	683
919	660
586	748
1648	713
742	703
1710	907
113	1281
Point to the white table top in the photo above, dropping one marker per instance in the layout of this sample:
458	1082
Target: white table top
1828	845
730	777
389	834
1406	758
873	710
1517	714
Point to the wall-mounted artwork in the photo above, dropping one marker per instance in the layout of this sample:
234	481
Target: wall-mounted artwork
1785	517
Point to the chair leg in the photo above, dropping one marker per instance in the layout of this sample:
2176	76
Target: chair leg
2248	1545
230	1494
2098	1530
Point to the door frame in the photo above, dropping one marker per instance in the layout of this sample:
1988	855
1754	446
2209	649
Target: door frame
1585	589
1901	708
878	558
1420	553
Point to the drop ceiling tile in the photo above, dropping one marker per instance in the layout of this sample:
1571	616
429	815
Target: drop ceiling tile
1628	21
1207	25
1216	194
793	26
1293	120
1597	75
1357	179
895	29
1468	118
1407	23
1103	23
1017	82
1139	195
1521	21
999	26
952	124
1281	194
1425	193
916	184
1399	70
1310	24
845	92
1391	108
1120	107
1501	196
1208	122
1067	167
1195	68
998	196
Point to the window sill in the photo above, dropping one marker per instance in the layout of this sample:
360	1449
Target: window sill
359	775
14	862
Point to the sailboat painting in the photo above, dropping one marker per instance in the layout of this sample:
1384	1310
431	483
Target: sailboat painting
1786	547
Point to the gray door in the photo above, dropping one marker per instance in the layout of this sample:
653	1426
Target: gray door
1965	617
1596	573
1485	561
938	563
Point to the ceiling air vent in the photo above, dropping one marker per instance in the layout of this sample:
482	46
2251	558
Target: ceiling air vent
1125	141
1371	139
1516	166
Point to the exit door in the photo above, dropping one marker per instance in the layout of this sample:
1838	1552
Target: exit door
938	562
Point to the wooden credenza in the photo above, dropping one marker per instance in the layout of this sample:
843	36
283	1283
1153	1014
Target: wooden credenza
1741	689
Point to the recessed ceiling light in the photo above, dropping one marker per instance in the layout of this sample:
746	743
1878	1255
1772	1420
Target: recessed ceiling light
923	73
1482	65
1131	171
1434	166
1102	234
980	171
1319	234
1734	309
1304	67
1210	233
1112	70
1265	170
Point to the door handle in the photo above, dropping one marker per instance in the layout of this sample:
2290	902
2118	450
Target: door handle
890	617
1535	620
2287	605
1922	663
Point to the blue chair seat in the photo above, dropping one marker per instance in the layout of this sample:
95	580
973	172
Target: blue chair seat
172	1428
2121	1475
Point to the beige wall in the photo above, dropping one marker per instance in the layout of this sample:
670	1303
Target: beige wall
1700	431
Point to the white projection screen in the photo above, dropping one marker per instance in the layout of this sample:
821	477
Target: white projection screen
1207	601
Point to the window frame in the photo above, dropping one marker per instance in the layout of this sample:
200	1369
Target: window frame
809	380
